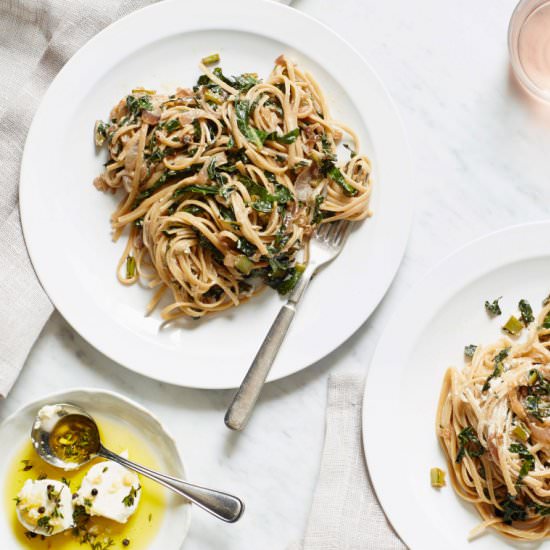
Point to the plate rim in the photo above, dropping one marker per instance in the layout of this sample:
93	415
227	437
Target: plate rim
187	510
399	243
370	439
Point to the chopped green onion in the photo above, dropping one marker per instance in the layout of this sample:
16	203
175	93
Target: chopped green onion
244	265
130	267
211	59
521	432
513	326
437	478
209	96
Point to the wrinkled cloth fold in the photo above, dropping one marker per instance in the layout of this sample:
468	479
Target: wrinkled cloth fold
37	37
345	514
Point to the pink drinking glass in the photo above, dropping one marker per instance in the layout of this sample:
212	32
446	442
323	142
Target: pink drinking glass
529	45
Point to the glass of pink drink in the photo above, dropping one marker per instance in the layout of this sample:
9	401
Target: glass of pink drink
529	45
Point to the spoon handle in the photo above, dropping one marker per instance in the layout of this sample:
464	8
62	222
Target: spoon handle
221	505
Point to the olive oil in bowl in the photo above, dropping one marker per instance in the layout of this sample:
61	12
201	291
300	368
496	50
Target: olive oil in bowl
140	530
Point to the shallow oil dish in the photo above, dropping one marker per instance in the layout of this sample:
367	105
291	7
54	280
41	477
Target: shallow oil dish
161	519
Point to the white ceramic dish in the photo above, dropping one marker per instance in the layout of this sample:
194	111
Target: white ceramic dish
16	429
428	333
66	221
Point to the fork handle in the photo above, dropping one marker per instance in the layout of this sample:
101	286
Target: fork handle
241	407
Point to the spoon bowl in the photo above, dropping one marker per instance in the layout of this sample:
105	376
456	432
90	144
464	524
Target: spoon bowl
66	436
44	428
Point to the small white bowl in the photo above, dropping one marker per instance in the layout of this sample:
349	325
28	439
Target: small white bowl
16	429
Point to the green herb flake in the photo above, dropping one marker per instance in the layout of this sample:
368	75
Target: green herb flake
242	82
528	460
512	511
498	366
137	104
100	132
526	312
242	114
329	169
469	444
171	125
285	139
536	402
470	350
493	308
200	189
129	499
44	523
541	510
291	280
246	247
352	153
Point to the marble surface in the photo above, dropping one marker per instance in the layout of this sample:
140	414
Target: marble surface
480	150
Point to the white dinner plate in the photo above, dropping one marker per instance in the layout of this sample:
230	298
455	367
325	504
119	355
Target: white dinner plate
427	334
66	220
114	407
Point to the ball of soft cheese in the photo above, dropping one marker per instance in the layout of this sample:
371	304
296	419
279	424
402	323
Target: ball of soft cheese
45	507
110	490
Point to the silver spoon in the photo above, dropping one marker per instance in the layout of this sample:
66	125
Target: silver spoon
221	505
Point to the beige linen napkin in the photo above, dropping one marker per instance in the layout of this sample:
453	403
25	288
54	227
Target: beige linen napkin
37	37
345	514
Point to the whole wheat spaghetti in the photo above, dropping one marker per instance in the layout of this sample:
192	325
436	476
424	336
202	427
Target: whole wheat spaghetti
493	422
222	185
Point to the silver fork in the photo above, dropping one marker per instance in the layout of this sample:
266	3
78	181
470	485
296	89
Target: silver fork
327	243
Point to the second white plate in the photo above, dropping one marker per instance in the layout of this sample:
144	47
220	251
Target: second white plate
66	221
428	333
